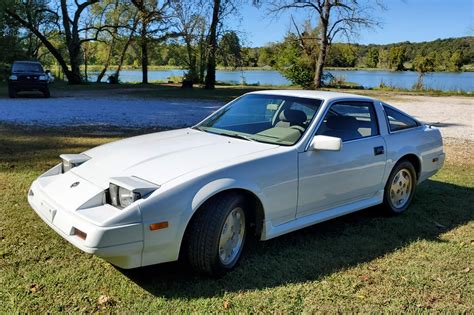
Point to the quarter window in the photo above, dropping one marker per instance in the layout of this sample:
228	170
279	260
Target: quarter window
398	121
350	121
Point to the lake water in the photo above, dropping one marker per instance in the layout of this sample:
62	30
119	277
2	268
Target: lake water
451	81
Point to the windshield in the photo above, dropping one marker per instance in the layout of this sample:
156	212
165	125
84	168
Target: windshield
265	118
27	67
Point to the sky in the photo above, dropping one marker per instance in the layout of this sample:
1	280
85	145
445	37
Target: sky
403	20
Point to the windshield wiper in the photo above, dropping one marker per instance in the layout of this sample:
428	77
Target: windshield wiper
199	128
239	136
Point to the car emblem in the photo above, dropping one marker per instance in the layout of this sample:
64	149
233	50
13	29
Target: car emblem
75	184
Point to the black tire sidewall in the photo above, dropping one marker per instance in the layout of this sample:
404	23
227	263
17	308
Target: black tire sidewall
387	202
237	202
11	92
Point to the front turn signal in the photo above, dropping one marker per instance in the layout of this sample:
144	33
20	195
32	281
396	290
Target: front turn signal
158	226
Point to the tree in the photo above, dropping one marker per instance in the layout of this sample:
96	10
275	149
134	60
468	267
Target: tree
116	13
154	19
422	64
221	9
372	58
397	57
190	23
455	61
296	64
230	51
335	18
66	20
212	43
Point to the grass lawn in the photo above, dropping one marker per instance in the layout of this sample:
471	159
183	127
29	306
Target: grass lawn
364	262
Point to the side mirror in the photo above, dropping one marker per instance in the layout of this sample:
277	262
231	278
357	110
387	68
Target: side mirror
326	143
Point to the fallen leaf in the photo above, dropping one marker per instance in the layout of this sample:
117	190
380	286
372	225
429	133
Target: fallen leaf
34	288
226	305
466	270
104	300
364	278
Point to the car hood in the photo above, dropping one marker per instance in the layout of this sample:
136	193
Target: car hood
161	157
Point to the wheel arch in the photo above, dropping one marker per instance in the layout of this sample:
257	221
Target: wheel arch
414	159
228	186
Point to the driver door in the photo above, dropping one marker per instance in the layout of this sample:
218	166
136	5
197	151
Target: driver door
328	179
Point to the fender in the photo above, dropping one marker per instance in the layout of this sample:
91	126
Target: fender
219	185
394	156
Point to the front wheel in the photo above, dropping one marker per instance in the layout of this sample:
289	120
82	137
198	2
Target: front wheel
217	234
11	92
400	188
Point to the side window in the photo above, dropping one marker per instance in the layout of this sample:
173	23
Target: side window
398	121
350	121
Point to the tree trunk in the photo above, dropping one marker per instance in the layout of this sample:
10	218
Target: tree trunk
323	46
125	47
192	74
211	58
144	48
107	62
75	61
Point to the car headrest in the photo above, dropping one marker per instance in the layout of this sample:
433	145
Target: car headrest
342	123
293	116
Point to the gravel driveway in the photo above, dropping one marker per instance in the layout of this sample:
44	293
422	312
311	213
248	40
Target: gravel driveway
123	112
453	115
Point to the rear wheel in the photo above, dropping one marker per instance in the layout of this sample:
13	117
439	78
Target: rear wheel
11	92
217	234
400	188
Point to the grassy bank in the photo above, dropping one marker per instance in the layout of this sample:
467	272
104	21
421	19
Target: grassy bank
419	261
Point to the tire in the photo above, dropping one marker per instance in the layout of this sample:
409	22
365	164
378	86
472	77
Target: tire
210	244
46	93
11	92
400	188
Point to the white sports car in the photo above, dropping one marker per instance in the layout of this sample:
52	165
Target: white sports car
266	164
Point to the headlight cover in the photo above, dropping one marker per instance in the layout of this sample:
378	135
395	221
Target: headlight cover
123	191
13	77
70	161
43	77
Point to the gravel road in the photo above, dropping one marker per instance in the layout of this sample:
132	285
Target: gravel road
453	115
120	111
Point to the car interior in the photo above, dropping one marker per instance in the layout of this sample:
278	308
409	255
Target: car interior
284	121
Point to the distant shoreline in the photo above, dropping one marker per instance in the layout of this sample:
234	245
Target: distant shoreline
95	68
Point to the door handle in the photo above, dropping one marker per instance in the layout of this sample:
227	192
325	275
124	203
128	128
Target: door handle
379	150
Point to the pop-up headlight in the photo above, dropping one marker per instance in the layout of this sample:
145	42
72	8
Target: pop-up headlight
70	161
123	191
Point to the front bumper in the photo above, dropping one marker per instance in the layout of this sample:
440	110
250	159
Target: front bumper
120	245
28	85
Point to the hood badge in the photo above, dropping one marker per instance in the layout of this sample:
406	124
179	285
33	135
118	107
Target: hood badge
75	184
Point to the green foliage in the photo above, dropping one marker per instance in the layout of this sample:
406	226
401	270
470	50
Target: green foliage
423	64
396	58
230	51
292	61
372	58
342	55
